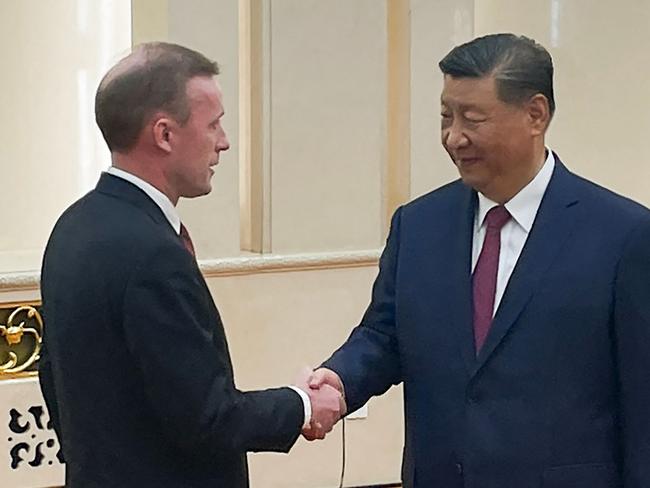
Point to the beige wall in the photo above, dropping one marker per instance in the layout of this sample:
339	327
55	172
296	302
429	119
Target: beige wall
327	123
326	97
323	71
601	82
326	111
277	323
325	120
54	54
436	27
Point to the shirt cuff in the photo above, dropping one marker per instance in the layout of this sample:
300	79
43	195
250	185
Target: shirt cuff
306	402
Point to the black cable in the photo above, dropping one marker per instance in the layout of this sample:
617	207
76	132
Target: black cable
342	454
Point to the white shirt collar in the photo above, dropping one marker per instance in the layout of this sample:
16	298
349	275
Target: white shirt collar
524	205
165	204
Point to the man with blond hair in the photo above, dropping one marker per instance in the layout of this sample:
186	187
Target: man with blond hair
135	368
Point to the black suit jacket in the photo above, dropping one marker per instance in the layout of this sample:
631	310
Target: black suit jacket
559	395
135	368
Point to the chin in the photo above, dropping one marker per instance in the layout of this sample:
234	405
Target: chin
472	181
198	192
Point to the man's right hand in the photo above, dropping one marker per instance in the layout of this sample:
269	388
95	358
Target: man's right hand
327	407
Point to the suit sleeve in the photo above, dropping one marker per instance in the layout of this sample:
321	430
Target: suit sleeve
184	362
368	363
632	322
46	381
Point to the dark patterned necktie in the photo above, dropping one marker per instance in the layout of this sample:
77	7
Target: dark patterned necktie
484	281
187	240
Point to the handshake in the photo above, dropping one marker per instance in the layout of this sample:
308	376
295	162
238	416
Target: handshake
325	391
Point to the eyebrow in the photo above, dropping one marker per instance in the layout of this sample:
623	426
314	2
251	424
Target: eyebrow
464	107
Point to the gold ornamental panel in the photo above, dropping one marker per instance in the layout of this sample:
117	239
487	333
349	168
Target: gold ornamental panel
21	332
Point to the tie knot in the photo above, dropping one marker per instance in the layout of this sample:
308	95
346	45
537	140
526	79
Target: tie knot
497	217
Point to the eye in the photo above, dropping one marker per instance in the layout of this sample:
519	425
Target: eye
474	118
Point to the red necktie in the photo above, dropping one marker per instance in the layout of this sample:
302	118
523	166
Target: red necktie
187	240
484	281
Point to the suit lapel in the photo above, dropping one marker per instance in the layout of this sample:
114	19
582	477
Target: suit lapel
552	227
459	260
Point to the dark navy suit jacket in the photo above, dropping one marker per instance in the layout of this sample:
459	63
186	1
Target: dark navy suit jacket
135	368
559	396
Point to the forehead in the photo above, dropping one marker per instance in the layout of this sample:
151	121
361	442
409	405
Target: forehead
204	91
469	91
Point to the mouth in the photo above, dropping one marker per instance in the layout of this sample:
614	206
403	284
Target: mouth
466	161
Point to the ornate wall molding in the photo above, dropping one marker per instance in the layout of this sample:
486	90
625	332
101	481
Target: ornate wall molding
28	280
16	357
31	454
291	262
241	265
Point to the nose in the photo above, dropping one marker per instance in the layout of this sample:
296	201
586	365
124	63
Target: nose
453	137
222	142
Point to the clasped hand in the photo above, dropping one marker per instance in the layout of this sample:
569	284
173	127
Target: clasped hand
325	391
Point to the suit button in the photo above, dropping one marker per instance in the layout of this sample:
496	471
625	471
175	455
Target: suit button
459	468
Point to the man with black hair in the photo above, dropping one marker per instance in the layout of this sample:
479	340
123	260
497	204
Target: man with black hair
513	304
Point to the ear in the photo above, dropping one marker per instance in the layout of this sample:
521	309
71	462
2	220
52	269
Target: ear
539	114
163	130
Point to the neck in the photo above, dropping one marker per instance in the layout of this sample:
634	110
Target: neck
517	182
145	168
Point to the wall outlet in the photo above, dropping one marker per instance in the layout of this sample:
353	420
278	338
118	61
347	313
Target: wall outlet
362	413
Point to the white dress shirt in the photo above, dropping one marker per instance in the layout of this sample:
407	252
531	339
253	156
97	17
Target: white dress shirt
523	210
168	209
